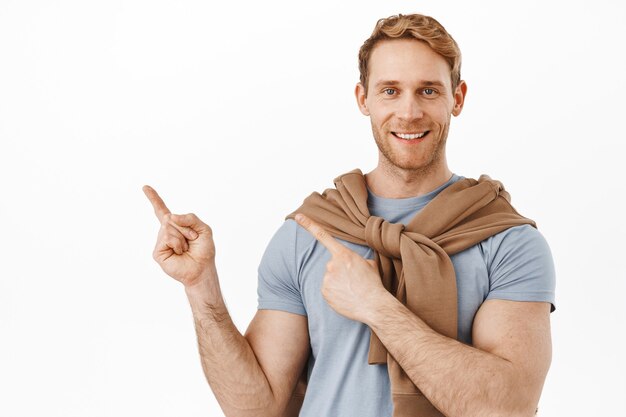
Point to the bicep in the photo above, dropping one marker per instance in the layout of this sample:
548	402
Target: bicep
280	341
518	332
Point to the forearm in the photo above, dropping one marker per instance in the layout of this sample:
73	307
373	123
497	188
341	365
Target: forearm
458	379
228	361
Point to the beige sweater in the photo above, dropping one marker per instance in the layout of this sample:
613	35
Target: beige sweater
413	260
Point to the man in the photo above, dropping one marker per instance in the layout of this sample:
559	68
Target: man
345	313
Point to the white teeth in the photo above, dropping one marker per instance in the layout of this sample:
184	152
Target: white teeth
414	136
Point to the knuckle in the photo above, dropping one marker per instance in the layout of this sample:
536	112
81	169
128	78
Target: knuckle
166	229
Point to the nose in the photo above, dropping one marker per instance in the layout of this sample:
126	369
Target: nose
409	108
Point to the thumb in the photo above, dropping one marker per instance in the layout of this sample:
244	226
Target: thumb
192	221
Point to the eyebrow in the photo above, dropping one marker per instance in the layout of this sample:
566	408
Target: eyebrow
426	83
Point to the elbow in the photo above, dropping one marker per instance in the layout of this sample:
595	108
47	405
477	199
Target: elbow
271	408
526	409
520	403
257	412
255	408
506	411
516	400
522	395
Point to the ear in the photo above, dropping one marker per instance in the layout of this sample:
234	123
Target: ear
459	98
361	99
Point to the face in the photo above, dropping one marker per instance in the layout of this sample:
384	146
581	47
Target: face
409	102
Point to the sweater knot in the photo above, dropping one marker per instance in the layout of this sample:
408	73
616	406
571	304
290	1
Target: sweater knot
383	236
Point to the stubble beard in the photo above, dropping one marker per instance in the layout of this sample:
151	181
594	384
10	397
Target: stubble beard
391	161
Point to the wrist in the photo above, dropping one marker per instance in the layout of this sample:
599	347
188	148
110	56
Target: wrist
205	290
379	306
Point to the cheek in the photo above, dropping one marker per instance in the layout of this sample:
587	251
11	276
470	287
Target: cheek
381	116
377	121
440	114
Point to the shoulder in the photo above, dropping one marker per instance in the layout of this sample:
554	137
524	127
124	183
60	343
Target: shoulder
520	265
290	239
519	242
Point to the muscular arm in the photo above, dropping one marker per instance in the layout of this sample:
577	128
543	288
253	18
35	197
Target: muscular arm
250	376
253	375
501	375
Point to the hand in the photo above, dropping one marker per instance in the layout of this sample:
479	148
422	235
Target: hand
184	248
352	284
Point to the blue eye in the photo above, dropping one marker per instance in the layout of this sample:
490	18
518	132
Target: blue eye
389	91
429	91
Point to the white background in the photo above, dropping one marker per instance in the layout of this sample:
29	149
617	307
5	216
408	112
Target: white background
237	111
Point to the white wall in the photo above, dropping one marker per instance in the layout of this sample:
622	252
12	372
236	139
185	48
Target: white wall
237	111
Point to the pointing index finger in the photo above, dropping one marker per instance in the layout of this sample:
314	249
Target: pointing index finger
319	233
160	209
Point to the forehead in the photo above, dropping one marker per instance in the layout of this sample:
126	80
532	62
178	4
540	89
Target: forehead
408	61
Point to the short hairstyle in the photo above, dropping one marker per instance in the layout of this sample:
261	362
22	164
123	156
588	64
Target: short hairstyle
413	26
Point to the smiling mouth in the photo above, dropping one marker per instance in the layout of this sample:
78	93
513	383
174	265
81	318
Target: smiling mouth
410	136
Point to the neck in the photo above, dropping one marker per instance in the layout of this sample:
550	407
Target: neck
389	181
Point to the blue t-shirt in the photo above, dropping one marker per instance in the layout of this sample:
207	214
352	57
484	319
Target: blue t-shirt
515	264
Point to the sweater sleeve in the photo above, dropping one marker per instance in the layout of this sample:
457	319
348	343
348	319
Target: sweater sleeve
278	286
521	266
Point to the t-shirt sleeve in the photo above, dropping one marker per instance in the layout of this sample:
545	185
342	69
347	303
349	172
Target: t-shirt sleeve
278	286
521	266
